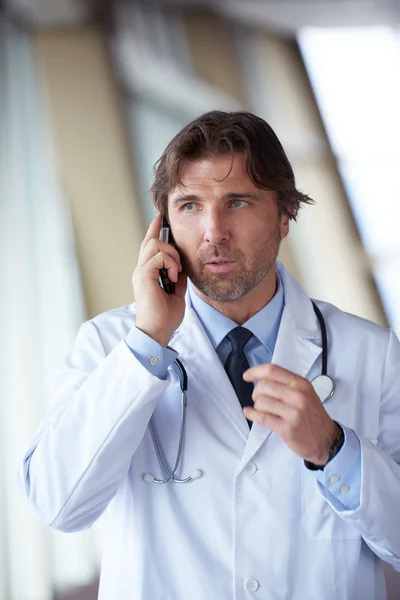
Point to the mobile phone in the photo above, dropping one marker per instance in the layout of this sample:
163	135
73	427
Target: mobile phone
166	236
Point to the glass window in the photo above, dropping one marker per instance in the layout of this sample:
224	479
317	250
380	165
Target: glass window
355	74
151	129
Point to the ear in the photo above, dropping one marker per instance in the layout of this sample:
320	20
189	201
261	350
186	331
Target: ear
284	225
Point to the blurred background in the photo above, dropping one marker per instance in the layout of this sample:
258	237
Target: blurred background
90	94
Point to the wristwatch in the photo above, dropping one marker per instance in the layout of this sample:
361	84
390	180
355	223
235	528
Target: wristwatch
333	450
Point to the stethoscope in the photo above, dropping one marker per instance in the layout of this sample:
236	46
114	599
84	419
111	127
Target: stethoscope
323	384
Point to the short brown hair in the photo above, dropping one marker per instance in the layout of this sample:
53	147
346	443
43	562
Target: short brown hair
218	133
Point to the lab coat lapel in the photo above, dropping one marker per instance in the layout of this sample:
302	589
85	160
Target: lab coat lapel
297	347
203	364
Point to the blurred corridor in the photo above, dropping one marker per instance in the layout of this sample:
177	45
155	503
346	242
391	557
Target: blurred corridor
90	94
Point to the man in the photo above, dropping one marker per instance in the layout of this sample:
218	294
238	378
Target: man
287	497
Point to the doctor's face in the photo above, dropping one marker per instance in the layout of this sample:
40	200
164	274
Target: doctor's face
227	230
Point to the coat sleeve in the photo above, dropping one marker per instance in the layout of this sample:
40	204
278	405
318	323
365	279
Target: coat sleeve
90	432
378	515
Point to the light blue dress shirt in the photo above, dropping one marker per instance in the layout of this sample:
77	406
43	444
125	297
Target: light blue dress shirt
264	325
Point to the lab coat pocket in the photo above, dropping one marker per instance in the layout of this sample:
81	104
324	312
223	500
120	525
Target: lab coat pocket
318	519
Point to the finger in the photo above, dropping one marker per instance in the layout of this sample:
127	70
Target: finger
153	230
289	398
275	389
163	261
273	373
155	246
265	419
271	406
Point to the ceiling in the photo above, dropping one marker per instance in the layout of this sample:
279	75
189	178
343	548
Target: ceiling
49	13
285	16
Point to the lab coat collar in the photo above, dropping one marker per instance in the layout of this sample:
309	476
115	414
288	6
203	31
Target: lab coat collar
299	306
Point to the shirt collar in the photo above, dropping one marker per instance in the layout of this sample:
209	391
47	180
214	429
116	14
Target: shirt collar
264	324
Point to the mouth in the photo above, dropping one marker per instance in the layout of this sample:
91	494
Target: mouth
220	261
220	266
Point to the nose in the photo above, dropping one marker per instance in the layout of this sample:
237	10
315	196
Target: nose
216	227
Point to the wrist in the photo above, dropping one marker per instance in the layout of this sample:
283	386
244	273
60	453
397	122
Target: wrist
335	445
158	337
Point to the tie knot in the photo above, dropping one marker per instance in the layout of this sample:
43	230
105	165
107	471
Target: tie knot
238	338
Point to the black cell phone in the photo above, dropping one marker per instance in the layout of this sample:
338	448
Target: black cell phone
166	236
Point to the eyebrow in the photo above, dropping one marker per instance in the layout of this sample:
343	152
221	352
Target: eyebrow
229	196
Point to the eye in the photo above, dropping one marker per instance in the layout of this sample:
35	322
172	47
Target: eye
234	203
189	207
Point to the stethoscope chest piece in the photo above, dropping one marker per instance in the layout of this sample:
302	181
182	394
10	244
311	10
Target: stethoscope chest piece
324	386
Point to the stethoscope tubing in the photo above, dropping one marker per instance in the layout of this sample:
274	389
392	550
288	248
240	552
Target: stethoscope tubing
321	320
159	450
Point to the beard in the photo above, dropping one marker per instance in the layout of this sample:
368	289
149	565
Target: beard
228	287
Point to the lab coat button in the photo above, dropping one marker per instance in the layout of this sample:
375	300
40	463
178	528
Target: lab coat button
251	585
334	479
250	468
153	361
344	489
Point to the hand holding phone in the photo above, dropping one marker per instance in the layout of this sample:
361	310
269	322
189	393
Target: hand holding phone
159	310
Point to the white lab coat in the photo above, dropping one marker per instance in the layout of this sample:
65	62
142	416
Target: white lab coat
255	525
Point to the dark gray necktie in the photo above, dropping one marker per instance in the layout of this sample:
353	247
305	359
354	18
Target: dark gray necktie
236	364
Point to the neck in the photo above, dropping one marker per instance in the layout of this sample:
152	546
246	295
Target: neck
242	310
